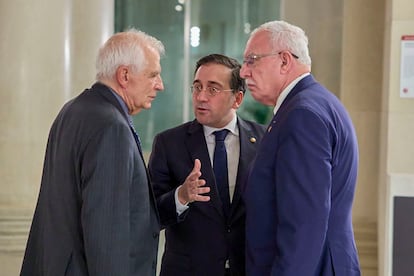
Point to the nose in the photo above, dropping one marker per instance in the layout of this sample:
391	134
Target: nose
201	96
244	71
159	85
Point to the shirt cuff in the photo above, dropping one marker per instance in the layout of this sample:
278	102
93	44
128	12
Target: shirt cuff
180	208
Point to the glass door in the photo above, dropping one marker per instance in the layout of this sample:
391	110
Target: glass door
189	30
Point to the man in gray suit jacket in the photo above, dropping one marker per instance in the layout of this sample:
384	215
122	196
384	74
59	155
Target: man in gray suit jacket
96	213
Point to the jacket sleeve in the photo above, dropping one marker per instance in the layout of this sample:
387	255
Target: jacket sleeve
163	182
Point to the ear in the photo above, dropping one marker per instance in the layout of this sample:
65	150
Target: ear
286	62
122	75
239	99
287	59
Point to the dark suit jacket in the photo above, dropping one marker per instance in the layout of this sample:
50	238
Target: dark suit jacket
200	240
300	190
96	213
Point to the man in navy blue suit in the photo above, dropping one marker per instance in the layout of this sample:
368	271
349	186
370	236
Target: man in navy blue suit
300	189
202	236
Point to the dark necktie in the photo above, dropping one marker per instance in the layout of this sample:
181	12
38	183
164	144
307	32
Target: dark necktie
220	169
136	136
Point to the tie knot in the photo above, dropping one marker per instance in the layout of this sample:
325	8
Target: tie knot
221	134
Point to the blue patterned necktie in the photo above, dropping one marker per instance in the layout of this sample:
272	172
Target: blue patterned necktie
136	136
220	169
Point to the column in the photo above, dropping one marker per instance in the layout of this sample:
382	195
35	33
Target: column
47	56
345	40
396	177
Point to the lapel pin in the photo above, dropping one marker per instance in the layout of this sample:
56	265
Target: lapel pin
252	140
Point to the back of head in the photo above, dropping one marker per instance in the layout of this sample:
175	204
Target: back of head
289	37
125	48
236	82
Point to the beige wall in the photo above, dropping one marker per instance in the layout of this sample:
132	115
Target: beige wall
396	175
361	86
345	40
47	55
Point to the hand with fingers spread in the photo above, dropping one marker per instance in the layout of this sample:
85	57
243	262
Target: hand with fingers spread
192	189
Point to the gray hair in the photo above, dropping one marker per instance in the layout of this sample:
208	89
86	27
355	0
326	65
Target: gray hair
289	37
125	48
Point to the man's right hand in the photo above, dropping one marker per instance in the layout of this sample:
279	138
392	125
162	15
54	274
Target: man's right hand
192	189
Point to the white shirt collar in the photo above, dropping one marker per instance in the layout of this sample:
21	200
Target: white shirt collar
286	92
231	126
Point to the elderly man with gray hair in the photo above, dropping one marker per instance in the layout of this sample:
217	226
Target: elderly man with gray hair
96	213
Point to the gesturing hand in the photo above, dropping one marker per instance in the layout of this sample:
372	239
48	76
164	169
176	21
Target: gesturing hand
192	189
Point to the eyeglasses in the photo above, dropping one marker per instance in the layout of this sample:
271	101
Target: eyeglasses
211	90
250	60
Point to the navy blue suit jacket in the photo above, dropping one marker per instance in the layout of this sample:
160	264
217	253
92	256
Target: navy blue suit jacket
200	240
300	189
96	213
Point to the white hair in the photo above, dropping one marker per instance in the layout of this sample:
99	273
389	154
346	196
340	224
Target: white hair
125	48
289	37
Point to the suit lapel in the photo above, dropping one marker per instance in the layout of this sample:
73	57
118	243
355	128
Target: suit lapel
247	153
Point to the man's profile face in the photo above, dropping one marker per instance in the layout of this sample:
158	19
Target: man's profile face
143	86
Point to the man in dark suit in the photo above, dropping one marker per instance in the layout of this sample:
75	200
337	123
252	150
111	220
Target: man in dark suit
202	236
301	186
96	213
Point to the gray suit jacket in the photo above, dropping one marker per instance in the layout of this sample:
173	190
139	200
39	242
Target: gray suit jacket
96	213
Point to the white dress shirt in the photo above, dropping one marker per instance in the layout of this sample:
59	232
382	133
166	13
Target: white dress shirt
286	92
232	143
